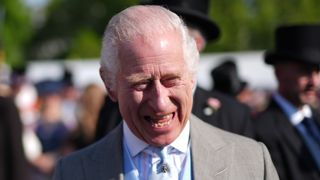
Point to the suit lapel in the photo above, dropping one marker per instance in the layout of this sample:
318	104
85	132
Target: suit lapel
209	151
105	161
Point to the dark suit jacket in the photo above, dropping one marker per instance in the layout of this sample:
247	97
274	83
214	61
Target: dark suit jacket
232	116
13	164
215	154
288	152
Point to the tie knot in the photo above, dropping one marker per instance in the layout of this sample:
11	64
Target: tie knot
157	152
160	157
163	163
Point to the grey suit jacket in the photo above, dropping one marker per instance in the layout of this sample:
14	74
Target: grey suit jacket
216	154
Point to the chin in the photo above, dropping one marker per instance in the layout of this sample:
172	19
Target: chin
309	99
163	140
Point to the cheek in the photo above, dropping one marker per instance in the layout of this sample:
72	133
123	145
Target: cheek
317	80
184	96
302	83
293	83
132	99
128	101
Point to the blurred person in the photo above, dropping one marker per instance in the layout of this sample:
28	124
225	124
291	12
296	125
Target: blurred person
215	108
50	129
290	126
26	99
88	108
25	95
226	79
151	73
69	98
13	162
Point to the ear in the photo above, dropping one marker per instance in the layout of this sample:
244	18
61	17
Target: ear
200	42
198	38
111	93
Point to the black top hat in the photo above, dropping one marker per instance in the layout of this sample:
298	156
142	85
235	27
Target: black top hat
226	78
193	12
299	43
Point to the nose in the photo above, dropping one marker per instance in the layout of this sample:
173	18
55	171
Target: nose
315	78
159	97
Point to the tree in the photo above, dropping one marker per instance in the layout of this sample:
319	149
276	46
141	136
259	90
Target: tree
74	28
250	24
15	30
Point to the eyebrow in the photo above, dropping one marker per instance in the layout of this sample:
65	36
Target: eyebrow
137	77
141	77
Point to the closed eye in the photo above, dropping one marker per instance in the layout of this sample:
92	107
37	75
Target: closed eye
141	85
171	81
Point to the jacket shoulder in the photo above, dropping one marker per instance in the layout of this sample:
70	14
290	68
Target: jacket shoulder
103	152
246	157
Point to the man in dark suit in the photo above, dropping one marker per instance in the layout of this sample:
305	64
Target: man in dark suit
215	107
289	126
151	73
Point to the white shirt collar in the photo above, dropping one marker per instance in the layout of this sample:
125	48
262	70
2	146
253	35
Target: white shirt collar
182	141
294	114
136	145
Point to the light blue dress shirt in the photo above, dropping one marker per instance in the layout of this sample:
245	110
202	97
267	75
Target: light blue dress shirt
138	164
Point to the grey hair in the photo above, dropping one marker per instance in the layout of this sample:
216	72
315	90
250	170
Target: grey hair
142	21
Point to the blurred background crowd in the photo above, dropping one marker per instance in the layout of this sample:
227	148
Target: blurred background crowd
56	118
58	115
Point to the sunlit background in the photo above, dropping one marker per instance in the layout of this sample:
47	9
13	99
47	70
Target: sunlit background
49	36
49	61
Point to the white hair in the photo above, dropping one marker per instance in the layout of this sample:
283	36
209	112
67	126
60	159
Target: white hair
142	21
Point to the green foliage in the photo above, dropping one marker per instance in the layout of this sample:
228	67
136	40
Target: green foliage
73	28
15	30
250	24
86	44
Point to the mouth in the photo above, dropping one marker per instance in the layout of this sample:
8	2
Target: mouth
310	91
160	121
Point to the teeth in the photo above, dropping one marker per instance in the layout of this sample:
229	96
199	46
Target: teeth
161	124
163	117
164	121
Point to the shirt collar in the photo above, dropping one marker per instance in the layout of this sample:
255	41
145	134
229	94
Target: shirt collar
294	114
136	145
182	141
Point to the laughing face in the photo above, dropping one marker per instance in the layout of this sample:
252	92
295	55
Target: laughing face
154	88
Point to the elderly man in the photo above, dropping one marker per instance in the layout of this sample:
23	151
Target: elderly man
289	126
216	108
149	65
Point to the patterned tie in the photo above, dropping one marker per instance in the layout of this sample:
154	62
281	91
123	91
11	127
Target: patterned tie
310	133
164	168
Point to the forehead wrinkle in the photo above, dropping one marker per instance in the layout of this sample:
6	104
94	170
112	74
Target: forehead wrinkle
154	57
